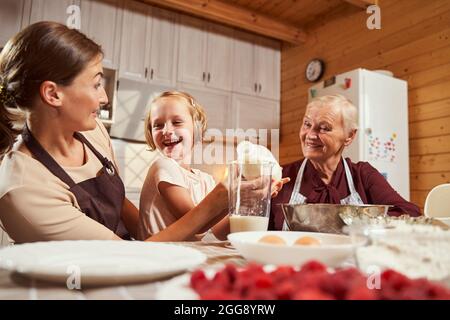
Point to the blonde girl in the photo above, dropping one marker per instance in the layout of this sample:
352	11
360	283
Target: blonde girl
174	123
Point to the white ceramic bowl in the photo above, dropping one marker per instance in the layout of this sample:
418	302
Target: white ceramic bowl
333	249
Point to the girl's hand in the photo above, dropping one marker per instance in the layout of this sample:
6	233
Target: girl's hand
278	185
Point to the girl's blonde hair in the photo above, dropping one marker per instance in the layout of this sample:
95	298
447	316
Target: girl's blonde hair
195	109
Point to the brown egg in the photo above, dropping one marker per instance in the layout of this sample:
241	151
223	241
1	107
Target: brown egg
272	239
307	241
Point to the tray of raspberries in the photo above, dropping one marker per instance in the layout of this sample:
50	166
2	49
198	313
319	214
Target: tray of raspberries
312	281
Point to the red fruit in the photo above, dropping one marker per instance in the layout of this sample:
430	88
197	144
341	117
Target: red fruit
232	272
394	279
388	293
361	292
313	266
263	281
242	285
198	277
222	279
260	294
282	272
336	285
312	294
285	290
412	293
432	290
310	280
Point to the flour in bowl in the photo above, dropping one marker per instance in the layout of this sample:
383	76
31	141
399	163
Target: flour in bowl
418	251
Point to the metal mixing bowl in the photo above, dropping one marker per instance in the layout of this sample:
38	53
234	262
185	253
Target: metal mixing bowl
328	218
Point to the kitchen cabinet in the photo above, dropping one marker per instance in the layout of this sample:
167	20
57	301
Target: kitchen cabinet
134	41
162	64
205	54
217	105
133	100
101	21
255	113
148	44
51	10
256	66
14	15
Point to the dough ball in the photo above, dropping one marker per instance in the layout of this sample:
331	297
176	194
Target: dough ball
272	239
307	241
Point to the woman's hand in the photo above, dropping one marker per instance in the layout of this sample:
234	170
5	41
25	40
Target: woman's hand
278	185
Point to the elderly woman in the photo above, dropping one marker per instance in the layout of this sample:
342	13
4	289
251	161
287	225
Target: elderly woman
323	176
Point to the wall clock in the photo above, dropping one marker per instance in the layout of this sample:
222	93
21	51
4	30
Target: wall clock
314	70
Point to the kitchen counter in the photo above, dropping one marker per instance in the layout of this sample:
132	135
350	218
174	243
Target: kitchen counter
15	286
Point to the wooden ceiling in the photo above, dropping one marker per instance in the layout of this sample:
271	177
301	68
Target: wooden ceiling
297	13
285	20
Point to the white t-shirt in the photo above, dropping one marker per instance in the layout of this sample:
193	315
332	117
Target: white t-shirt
154	214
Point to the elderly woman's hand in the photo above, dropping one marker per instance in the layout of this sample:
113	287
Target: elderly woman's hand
278	185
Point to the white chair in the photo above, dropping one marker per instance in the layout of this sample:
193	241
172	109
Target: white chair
437	204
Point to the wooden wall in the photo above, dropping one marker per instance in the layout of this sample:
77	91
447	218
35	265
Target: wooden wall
414	44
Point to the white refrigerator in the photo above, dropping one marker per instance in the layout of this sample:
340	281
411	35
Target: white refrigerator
382	139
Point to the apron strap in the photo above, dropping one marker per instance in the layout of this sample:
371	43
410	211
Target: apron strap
296	197
43	157
349	177
102	159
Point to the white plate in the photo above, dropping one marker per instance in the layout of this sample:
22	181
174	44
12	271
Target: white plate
445	220
333	251
177	288
99	262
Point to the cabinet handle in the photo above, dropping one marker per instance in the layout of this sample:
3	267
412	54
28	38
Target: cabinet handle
117	88
146	72
209	76
256	87
151	73
260	87
204	75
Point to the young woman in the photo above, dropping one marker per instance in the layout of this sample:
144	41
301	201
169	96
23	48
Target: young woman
58	177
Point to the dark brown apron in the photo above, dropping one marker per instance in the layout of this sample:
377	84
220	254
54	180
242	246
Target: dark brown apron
100	198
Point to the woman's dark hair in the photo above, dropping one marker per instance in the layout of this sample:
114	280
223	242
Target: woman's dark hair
42	51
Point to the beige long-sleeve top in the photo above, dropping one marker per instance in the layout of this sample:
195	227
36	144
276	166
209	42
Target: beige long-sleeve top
35	205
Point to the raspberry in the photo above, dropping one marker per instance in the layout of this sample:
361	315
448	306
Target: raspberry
336	285
263	281
285	290
312	294
361	292
394	279
313	266
232	273
312	282
260	294
198	277
282	272
222	279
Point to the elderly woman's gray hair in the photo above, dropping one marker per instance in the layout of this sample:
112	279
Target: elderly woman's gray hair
348	109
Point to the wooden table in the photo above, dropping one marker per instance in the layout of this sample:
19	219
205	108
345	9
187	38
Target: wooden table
15	286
